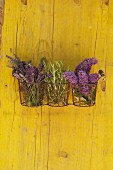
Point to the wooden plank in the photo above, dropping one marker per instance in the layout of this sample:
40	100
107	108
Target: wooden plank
1	17
29	128
69	128
7	92
66	32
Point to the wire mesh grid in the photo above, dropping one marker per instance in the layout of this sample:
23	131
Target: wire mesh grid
31	94
84	98
57	94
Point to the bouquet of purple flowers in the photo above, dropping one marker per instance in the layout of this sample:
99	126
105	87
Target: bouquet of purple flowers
31	81
83	83
25	71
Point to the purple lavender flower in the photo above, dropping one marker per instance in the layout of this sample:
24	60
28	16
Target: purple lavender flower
49	75
43	61
41	77
25	71
29	74
71	78
41	66
93	78
85	65
36	73
82	77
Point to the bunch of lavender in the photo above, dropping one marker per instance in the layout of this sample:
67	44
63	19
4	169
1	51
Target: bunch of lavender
81	78
30	78
25	71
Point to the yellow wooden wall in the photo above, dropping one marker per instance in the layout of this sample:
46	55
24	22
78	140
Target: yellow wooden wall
47	138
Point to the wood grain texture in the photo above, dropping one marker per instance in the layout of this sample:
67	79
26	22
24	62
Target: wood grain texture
1	18
47	138
24	2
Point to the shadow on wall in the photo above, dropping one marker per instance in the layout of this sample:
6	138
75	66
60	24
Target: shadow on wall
44	50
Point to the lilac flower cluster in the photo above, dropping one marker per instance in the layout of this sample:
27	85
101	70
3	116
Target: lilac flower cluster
82	77
93	78
71	77
25	71
85	65
85	89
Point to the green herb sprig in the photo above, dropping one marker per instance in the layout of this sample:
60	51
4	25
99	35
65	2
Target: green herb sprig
55	72
56	84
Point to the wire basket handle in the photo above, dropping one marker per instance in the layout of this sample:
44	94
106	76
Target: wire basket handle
102	80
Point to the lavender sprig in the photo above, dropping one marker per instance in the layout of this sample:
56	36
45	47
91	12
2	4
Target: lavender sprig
25	71
30	79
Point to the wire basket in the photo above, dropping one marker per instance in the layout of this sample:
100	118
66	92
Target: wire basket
31	94
57	94
84	95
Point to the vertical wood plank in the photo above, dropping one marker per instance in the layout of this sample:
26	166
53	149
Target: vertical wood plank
1	17
24	2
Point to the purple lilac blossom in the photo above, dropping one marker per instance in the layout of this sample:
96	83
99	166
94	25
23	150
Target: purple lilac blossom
71	78
85	89
85	65
82	77
83	82
93	78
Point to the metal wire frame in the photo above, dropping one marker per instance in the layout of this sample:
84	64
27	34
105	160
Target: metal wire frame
31	94
57	94
84	100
